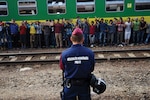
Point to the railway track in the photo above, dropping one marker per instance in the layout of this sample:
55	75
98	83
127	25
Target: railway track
53	57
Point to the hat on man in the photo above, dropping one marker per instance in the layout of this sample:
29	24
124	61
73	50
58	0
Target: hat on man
77	31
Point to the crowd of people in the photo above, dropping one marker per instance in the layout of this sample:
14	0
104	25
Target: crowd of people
56	34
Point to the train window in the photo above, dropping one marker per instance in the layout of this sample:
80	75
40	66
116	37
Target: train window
85	6
114	5
27	7
3	8
56	6
142	5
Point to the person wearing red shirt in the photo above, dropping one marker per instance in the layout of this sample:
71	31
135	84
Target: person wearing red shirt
23	35
92	34
120	31
1	34
58	33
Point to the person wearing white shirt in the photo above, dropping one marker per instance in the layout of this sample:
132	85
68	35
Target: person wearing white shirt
128	26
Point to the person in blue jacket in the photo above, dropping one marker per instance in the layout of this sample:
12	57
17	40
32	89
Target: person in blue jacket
77	63
14	29
103	32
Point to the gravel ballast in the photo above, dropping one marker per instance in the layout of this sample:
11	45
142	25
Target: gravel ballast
126	80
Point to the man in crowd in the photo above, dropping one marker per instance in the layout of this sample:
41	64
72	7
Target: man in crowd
58	34
14	33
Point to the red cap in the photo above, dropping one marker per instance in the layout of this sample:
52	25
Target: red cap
77	31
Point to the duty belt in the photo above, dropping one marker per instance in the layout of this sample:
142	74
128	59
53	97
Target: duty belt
75	82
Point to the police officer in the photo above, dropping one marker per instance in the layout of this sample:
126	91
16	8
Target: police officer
77	63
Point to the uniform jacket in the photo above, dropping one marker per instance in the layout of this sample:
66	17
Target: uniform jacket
77	62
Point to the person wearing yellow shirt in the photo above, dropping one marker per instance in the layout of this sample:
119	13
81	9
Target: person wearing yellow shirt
32	35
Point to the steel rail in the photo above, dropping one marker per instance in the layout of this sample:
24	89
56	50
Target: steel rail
97	59
95	51
57	61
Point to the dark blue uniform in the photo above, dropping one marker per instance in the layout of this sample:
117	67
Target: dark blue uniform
77	62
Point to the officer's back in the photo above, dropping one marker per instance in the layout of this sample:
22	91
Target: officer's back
77	62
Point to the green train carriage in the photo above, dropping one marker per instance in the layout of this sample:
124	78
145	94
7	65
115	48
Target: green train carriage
32	10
